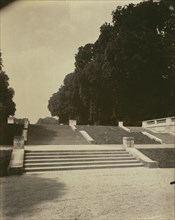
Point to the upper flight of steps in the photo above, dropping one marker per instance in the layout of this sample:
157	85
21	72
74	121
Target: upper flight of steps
54	135
165	137
47	160
114	135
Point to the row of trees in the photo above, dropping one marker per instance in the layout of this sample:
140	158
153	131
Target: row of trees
7	105
128	74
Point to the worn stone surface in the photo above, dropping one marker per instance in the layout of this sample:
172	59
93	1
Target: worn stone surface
118	194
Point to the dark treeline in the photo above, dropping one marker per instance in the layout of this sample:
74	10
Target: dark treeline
127	74
7	105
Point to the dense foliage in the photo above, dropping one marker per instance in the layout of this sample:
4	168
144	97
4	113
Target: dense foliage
127	74
7	106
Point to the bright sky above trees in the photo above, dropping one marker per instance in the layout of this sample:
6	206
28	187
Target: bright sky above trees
39	40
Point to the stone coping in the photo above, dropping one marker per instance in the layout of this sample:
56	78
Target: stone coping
87	136
152	136
6	147
73	127
154	146
92	146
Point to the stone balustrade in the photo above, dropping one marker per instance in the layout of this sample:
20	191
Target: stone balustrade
160	125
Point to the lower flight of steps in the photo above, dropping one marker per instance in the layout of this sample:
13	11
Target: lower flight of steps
39	161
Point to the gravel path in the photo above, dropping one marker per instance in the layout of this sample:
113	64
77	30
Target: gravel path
120	194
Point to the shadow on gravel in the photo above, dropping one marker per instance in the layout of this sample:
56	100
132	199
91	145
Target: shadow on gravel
22	194
5	156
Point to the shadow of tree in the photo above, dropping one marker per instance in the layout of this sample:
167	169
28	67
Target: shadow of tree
22	194
5	156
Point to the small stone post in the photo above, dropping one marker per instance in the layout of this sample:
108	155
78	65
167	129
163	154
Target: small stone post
18	142
10	120
128	141
73	122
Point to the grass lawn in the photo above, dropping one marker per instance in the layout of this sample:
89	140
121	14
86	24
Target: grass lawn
165	156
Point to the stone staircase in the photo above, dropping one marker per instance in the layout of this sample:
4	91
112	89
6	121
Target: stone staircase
115	134
54	135
165	137
58	160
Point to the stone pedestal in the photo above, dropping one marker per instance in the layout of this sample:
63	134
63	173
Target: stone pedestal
18	142
128	141
11	120
26	123
120	123
24	134
72	122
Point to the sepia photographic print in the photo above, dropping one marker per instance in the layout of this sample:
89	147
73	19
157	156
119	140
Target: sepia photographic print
87	110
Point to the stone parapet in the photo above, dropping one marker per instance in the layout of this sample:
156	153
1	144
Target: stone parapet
160	125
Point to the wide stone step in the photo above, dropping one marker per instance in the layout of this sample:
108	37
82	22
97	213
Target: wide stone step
75	163
81	167
73	156
74	153
77	159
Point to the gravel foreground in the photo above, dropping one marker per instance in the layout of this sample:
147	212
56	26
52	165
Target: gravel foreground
119	194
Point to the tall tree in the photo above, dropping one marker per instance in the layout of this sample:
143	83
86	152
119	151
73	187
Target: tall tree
128	74
7	106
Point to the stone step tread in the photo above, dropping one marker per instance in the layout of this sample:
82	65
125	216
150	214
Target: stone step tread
78	159
75	153
79	163
72	156
58	168
72	151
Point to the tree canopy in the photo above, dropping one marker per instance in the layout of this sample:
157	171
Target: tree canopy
128	74
7	105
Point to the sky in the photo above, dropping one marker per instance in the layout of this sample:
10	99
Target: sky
39	40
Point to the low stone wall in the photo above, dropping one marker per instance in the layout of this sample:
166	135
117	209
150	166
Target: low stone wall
16	162
17	156
144	159
128	143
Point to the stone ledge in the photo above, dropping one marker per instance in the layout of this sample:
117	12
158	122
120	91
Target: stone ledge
87	137
152	136
144	159
120	124
16	162
73	127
